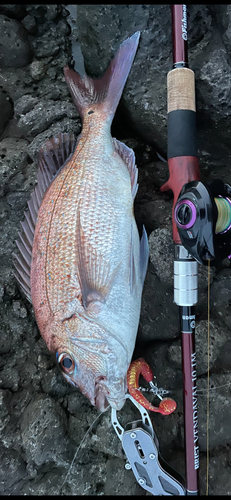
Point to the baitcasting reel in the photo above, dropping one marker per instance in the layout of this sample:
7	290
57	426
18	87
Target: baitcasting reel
203	218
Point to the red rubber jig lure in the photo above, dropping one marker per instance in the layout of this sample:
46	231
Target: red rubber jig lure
141	367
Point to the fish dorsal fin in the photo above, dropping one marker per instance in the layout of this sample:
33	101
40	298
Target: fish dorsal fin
128	156
52	158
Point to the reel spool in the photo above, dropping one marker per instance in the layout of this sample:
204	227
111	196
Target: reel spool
203	218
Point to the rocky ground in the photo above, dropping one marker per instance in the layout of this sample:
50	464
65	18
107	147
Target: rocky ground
43	419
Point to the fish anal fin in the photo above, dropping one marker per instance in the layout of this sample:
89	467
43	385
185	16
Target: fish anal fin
128	157
143	261
144	254
132	264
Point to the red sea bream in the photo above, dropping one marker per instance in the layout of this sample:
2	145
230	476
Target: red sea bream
81	259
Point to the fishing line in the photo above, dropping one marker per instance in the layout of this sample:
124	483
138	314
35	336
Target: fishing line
200	391
80	445
207	468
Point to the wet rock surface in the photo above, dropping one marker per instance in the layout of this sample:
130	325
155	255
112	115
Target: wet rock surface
15	47
44	422
7	111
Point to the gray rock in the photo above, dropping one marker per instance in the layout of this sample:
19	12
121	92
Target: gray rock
226	18
53	383
156	213
24	104
6	111
219	417
223	360
15	81
13	158
9	378
29	22
44	114
221	297
15	48
17	201
53	11
152	324
218	339
65	125
4	403
12	471
219	473
45	47
110	445
46	483
119	480
161	250
16	11
7	281
1	291
37	70
19	309
52	40
5	338
11	130
56	92
7	241
43	431
86	479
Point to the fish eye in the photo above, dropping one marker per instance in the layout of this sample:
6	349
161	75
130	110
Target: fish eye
66	363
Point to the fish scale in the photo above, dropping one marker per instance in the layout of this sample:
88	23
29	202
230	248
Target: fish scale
88	264
65	232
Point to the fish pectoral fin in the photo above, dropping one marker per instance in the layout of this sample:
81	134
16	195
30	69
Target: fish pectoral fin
96	283
128	157
144	254
95	272
72	308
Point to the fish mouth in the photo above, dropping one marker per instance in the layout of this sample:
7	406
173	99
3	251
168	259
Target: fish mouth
103	397
101	401
116	404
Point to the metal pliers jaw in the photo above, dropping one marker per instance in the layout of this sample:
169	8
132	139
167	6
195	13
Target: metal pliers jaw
141	447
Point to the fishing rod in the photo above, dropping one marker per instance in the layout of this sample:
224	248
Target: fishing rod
184	167
201	224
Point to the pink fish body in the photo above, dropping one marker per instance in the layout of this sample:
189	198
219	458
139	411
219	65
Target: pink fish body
87	265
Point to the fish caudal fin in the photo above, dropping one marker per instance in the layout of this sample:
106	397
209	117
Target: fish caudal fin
52	157
107	90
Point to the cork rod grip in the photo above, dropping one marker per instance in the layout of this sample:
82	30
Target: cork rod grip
181	89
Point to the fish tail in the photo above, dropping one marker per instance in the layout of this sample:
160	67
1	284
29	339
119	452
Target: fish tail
105	91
